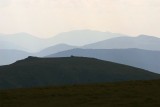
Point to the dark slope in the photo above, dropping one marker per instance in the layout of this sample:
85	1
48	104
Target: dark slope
144	59
125	94
33	72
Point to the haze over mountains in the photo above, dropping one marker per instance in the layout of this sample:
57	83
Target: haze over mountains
84	37
141	51
31	43
37	72
141	42
26	41
10	56
8	45
54	49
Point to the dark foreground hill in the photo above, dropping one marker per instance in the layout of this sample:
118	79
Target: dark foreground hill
125	94
140	58
35	72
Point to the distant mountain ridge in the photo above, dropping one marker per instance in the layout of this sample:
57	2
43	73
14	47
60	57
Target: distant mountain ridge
76	38
37	72
84	37
140	42
54	49
44	47
145	59
26	41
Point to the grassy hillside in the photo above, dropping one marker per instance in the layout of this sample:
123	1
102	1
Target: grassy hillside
124	94
35	72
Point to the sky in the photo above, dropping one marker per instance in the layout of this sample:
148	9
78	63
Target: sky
46	18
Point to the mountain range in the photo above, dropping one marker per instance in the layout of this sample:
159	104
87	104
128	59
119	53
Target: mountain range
29	43
54	49
83	37
38	72
141	42
26	41
141	51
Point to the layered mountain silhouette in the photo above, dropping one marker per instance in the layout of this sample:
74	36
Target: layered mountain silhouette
18	46
84	37
31	43
26	41
11	56
90	40
140	42
8	56
37	72
54	49
145	59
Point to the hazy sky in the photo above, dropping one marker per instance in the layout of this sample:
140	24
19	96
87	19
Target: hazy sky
45	18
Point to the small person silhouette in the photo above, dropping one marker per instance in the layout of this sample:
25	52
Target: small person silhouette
72	56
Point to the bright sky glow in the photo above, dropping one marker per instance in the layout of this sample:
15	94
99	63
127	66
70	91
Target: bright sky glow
45	18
